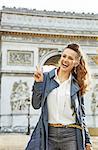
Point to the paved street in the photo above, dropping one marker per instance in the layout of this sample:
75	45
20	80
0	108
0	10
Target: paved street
13	141
19	141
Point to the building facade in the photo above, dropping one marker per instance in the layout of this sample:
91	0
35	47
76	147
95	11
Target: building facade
31	37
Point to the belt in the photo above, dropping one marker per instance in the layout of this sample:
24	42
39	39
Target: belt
66	126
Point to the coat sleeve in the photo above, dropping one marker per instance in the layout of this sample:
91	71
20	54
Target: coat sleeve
86	132
38	93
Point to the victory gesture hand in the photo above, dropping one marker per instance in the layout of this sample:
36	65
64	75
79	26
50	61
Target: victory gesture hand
38	75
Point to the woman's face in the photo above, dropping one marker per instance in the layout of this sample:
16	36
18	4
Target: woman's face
68	60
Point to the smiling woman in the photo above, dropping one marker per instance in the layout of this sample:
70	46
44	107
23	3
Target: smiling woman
78	66
59	93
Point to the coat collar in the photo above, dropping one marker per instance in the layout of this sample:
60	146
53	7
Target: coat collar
52	73
74	85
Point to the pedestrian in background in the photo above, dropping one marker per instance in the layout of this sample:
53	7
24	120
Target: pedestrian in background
59	93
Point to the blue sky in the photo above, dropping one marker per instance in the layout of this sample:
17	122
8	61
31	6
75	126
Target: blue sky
87	6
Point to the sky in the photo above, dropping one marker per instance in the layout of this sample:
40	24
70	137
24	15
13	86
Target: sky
78	6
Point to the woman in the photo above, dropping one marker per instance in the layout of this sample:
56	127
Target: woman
60	95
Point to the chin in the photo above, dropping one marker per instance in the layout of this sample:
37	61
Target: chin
64	69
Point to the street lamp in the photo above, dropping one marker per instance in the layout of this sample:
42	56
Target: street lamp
93	108
28	116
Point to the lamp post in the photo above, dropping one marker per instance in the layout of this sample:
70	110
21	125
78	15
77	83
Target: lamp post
28	116
93	108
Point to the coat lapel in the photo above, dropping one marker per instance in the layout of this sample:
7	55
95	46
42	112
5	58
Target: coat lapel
51	83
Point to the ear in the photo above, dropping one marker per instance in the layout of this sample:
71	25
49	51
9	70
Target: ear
76	63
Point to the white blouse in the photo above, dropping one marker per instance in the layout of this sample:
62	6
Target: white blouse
59	103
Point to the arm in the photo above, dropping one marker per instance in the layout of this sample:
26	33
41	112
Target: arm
86	132
38	90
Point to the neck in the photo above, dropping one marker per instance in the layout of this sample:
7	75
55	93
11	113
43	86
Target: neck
62	75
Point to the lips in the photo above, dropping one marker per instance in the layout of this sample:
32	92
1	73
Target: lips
65	65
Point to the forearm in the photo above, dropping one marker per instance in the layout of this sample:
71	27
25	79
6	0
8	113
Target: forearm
86	132
37	94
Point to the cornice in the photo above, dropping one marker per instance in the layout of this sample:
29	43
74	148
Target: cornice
16	73
29	34
43	30
43	13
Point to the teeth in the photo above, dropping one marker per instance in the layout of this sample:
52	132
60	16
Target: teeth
65	65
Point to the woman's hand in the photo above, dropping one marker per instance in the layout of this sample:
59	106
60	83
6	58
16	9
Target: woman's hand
88	147
38	75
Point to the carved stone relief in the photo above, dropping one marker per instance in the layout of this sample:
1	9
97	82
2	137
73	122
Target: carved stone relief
50	40
40	39
93	59
44	51
20	58
16	38
20	96
94	104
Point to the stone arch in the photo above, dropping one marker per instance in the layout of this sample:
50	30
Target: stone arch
53	60
50	58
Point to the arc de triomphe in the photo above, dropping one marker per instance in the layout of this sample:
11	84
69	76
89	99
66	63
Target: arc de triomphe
31	37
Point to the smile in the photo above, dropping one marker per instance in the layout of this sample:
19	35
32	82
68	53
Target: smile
65	65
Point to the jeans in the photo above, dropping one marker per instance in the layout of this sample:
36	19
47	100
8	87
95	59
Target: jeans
61	138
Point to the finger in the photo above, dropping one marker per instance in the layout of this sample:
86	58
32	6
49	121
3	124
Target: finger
38	68
36	77
33	74
37	73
